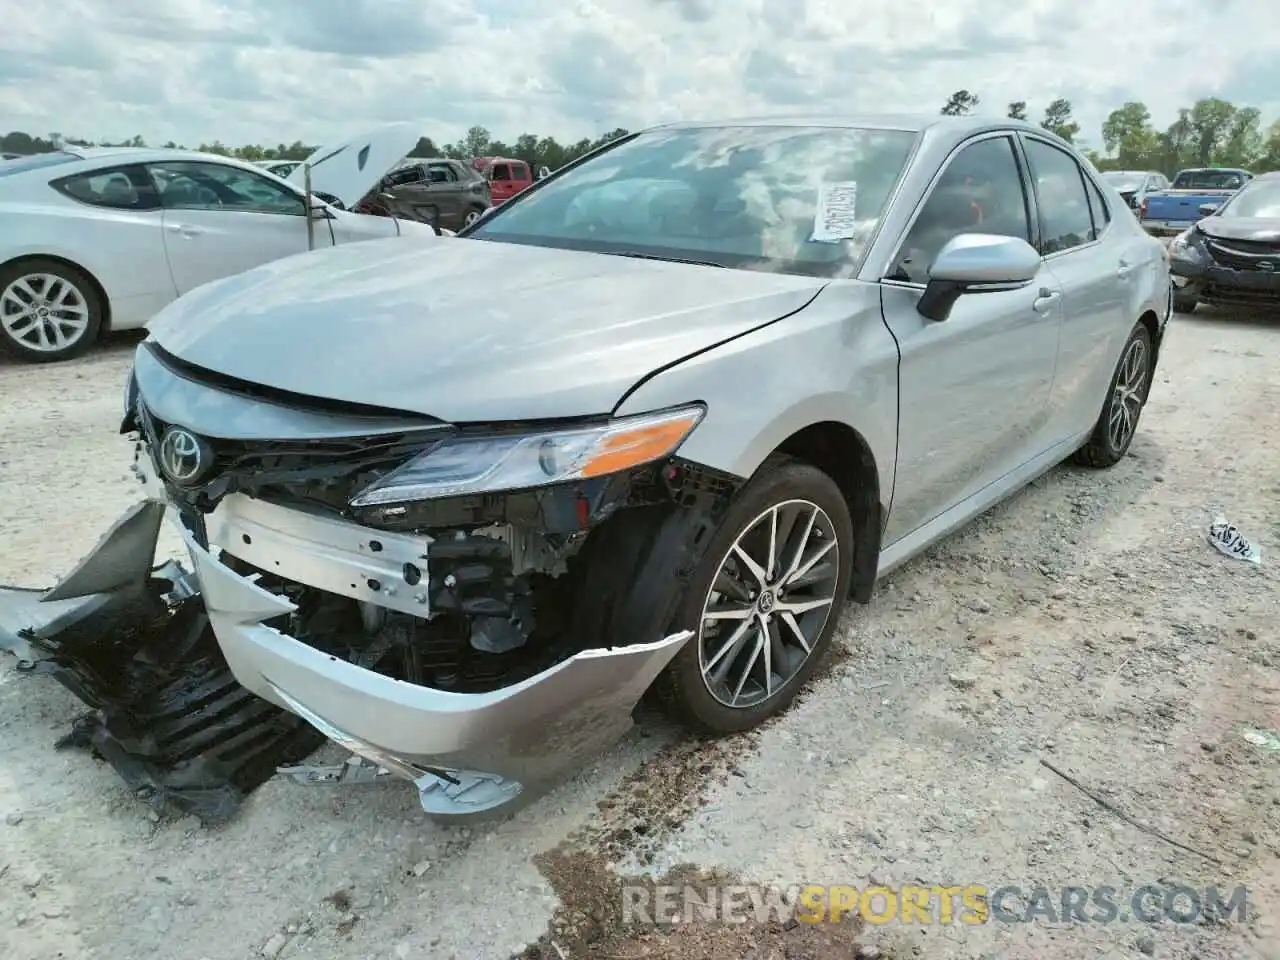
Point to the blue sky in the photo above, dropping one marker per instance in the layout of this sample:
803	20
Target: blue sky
278	70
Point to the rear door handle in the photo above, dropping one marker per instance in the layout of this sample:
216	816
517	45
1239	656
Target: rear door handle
1124	270
1043	303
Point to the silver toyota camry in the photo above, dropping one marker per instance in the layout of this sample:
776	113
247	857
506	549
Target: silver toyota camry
647	427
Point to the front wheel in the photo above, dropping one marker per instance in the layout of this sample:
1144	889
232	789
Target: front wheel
1126	396
49	311
474	214
764	601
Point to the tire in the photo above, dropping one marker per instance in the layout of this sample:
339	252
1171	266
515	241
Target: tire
472	215
69	309
1184	303
795	488
1129	387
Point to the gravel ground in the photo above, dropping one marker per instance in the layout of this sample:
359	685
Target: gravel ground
1086	623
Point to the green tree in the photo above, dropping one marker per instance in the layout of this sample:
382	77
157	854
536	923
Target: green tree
1017	110
1211	120
960	104
1057	119
1128	134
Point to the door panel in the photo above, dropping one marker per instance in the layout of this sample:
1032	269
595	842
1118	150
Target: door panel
1090	260
221	220
974	389
973	393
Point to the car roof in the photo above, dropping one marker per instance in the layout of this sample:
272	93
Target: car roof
939	132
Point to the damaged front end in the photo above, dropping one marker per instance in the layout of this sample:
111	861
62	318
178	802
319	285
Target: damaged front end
477	611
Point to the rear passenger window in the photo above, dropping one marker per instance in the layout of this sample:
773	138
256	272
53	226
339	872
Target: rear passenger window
1101	211
501	172
1066	220
121	188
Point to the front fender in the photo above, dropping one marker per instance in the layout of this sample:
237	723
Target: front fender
834	360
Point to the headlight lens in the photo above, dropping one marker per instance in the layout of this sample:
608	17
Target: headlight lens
486	464
1182	248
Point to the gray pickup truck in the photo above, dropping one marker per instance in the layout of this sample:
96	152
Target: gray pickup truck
1167	213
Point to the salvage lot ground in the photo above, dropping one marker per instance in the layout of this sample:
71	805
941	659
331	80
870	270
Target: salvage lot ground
1086	622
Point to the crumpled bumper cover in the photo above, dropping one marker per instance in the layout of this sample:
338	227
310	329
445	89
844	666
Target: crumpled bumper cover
157	654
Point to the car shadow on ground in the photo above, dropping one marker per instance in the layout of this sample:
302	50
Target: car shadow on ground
110	347
1236	316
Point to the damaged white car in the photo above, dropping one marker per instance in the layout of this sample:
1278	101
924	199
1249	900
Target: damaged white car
649	425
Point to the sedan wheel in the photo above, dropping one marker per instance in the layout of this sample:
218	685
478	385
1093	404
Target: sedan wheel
764	600
769	601
471	217
48	311
1114	431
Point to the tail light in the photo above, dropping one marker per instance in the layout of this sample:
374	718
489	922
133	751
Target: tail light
1142	208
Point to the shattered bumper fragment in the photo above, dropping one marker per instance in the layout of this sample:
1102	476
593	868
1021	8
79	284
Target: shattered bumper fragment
134	645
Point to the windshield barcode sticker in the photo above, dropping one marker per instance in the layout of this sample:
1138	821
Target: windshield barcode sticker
835	218
1230	541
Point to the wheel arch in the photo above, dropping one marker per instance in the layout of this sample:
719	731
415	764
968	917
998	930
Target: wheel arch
843	454
88	274
1152	323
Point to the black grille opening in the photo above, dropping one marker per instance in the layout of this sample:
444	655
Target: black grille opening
1245	254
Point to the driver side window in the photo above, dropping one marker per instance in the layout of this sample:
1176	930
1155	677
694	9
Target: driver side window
980	191
211	186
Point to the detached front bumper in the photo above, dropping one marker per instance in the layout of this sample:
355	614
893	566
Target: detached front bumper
466	752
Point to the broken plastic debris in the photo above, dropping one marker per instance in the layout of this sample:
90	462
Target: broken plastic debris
1262	738
835	218
1228	539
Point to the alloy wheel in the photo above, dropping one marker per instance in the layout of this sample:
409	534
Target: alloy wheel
44	312
471	217
768	603
1130	390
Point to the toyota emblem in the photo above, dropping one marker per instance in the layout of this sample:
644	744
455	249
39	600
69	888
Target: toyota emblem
184	457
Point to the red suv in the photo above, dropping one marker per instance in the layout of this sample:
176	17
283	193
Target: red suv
506	178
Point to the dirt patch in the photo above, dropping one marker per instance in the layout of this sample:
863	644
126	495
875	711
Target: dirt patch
595	923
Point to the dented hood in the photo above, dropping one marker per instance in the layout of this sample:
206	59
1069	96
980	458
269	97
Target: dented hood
468	330
351	169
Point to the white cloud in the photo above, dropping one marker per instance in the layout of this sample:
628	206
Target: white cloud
267	71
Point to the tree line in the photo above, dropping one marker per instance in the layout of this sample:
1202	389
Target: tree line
1211	132
535	150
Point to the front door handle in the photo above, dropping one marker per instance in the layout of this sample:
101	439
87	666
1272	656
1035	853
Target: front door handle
185	229
1043	303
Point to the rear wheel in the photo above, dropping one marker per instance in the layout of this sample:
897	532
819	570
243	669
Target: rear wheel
48	310
764	601
1126	396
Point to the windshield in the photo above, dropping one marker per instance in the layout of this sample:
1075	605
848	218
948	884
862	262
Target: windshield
1208	180
1123	181
35	162
802	200
1256	200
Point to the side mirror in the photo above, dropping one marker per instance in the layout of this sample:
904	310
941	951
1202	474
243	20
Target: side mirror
1207	209
976	263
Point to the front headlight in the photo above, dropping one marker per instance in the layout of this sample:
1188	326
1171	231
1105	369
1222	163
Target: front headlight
488	463
1182	248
